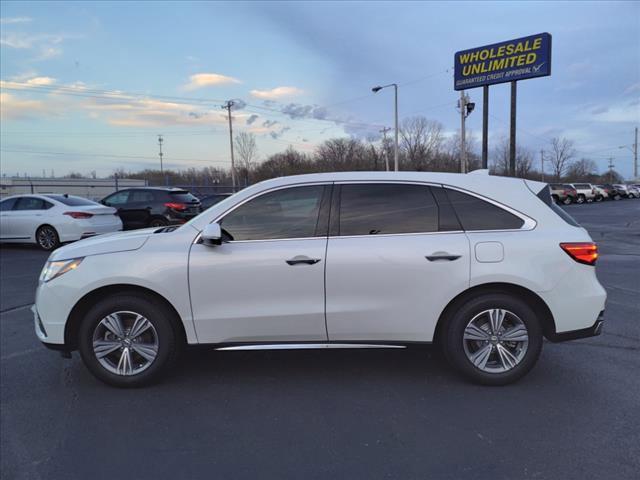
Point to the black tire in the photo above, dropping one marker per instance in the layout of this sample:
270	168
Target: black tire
555	198
581	199
599	198
47	238
567	200
161	320
158	222
453	342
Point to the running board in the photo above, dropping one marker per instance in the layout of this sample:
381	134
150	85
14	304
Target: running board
305	346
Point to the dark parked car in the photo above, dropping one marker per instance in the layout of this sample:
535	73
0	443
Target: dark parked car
153	206
210	200
613	192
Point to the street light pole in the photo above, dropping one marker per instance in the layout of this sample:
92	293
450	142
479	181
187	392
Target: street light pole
395	147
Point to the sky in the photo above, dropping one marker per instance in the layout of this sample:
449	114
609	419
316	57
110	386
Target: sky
88	86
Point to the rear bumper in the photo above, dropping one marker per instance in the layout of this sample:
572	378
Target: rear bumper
592	331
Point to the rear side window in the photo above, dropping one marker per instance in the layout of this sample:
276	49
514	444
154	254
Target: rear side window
545	196
371	209
477	214
71	200
32	203
140	196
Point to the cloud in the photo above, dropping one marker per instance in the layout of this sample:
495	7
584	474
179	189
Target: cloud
269	123
276	93
598	110
277	134
634	87
25	83
252	119
202	80
618	114
296	111
14	108
46	45
12	20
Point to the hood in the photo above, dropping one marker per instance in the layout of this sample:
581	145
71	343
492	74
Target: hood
107	243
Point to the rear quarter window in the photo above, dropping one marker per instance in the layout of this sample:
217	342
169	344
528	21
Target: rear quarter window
545	196
477	214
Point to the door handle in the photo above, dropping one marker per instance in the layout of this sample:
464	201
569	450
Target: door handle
442	256
301	259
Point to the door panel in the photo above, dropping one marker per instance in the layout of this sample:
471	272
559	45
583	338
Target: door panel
247	292
384	288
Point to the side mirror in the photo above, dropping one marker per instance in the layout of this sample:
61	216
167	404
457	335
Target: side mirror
212	235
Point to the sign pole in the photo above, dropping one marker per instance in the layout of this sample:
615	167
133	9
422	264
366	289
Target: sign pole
463	149
512	138
485	126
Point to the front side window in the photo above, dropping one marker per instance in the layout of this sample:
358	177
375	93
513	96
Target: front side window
287	213
477	214
140	196
7	204
372	209
32	203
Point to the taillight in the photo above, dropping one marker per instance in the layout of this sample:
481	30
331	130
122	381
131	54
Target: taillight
176	206
79	215
582	252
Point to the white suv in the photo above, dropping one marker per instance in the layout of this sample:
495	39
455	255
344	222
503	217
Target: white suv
484	266
586	192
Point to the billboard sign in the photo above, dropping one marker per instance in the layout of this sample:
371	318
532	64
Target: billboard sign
519	59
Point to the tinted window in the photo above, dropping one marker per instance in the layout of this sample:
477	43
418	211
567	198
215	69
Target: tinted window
447	218
119	198
371	209
7	204
182	197
476	214
32	203
140	196
71	200
287	213
581	186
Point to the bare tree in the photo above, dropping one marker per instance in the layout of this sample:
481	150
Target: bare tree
560	155
421	139
247	154
583	170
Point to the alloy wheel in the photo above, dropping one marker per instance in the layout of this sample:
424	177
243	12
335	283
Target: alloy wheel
47	238
495	340
125	343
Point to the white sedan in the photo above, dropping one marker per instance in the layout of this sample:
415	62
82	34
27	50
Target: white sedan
49	220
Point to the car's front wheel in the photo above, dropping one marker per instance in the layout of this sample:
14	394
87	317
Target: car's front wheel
581	198
493	339
567	200
127	340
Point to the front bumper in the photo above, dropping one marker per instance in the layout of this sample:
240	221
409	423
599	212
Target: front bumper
592	331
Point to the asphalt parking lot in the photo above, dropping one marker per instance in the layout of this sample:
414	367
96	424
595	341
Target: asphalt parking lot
340	414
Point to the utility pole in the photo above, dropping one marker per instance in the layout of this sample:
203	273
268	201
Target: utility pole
542	165
611	165
384	146
466	107
228	106
160	140
462	104
635	157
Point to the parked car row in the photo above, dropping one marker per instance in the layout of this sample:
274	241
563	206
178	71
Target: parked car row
568	193
49	220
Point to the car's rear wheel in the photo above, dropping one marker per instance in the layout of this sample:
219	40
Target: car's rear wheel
47	238
581	198
599	198
158	222
127	340
567	200
493	339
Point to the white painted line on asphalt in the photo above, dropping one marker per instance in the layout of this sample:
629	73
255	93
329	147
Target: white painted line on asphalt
20	354
16	309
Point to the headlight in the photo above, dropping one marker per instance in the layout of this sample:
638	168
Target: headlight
52	270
